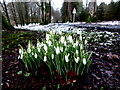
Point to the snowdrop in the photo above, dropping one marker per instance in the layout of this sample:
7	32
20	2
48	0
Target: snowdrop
61	49
85	41
77	59
77	52
70	39
49	43
45	58
35	55
65	43
62	39
57	50
38	44
45	47
32	53
81	46
38	49
66	58
78	32
20	51
76	44
80	37
52	56
60	32
47	36
29	49
21	56
84	61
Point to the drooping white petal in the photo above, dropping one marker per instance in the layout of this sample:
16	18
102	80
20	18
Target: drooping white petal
45	47
57	50
45	58
78	32
21	56
84	61
20	51
61	49
52	56
81	46
80	37
66	58
77	52
47	36
35	55
29	49
76	43
60	32
65	43
38	49
70	39
77	59
49	43
85	41
62	39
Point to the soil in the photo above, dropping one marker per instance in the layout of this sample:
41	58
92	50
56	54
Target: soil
104	72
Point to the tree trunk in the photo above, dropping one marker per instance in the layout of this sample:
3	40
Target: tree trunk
42	7
5	8
14	13
49	12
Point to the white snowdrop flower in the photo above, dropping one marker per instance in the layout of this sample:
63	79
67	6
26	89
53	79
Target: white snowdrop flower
65	43
32	53
19	57
76	43
45	58
20	51
35	55
38	49
78	32
60	32
52	56
49	43
57	50
77	52
85	41
47	36
62	39
38	44
51	32
66	58
84	61
81	46
61	49
29	49
70	39
80	37
45	47
77	59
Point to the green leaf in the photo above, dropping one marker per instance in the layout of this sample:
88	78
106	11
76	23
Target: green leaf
27	74
20	72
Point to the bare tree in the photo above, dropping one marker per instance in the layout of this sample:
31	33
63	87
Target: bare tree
6	12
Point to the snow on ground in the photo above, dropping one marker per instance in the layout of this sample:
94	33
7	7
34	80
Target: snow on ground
109	23
54	26
62	26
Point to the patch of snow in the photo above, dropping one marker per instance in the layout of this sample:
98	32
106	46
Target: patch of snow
109	23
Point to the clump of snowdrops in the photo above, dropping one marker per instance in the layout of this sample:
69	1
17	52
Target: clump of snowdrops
60	51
